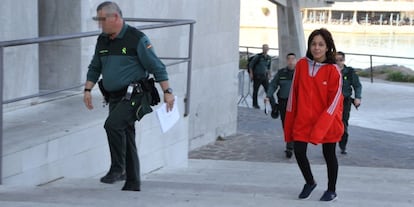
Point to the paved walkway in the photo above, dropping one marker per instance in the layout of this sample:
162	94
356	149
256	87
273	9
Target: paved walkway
381	132
260	139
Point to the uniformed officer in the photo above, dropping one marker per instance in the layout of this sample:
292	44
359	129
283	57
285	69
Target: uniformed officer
281	83
259	71
350	82
123	55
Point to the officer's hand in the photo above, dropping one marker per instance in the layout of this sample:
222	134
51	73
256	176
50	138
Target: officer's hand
87	99
357	102
266	99
169	101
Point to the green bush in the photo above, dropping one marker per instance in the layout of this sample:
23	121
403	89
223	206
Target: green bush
395	76
363	73
400	77
384	71
243	63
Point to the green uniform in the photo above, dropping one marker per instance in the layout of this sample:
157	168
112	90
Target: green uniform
128	57
260	66
281	82
350	82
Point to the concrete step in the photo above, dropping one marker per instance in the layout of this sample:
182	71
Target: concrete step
224	183
52	139
61	138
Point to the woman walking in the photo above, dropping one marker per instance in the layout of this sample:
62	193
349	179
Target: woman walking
314	110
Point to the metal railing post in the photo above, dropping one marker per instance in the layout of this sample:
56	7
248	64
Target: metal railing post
1	113
189	63
372	70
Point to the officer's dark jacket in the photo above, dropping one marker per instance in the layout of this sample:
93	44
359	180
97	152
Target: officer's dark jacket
283	81
260	64
127	58
350	80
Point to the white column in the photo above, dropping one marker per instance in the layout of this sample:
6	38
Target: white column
290	31
397	21
305	15
329	16
380	20
354	18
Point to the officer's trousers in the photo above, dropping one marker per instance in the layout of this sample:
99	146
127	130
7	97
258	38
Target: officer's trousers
282	109
345	118
257	81
120	130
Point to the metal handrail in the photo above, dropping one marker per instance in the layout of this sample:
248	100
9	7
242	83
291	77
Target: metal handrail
37	40
41	94
248	47
160	23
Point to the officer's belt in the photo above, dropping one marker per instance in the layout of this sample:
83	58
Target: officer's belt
137	89
116	94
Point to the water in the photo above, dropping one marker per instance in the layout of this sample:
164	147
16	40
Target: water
389	45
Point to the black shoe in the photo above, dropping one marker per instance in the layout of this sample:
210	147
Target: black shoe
110	177
306	191
256	106
131	186
328	196
343	151
288	154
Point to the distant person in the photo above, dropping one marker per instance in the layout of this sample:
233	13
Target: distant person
259	71
124	57
350	81
314	110
281	83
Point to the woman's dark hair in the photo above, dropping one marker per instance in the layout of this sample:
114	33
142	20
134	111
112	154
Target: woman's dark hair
326	35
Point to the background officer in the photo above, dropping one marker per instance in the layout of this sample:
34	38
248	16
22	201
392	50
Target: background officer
123	55
281	83
350	82
259	71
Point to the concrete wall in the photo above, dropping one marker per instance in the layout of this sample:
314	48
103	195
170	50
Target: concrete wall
213	110
215	60
213	96
19	20
59	65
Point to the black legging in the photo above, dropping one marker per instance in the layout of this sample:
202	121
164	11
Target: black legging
300	149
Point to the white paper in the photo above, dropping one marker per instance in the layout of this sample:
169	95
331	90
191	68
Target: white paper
168	119
268	108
